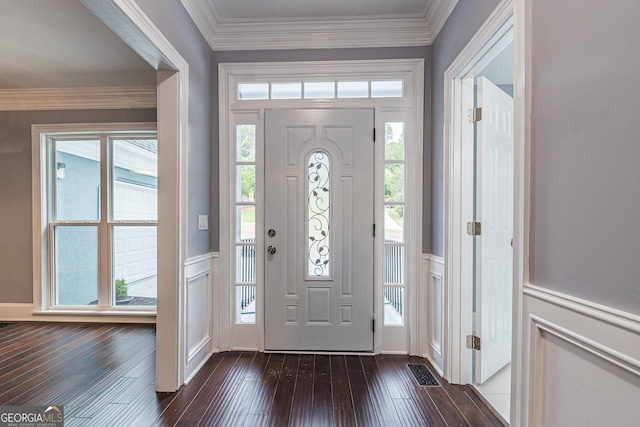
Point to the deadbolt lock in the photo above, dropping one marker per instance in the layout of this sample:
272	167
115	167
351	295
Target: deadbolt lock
271	250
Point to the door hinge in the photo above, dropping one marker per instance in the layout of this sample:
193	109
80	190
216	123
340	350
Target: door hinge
474	228
473	342
373	325
475	115
374	134
374	230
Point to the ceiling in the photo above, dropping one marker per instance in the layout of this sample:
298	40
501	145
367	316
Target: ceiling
287	24
59	44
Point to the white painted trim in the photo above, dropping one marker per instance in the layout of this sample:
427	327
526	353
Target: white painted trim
132	25
607	333
78	98
602	313
522	204
229	74
373	31
15	312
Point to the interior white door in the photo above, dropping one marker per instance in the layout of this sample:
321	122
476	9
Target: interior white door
494	209
319	187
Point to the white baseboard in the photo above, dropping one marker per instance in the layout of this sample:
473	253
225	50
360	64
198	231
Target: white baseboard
581	362
15	312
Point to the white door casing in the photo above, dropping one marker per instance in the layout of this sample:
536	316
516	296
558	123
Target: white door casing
494	207
319	284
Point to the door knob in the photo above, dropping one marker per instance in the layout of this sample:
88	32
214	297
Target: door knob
271	250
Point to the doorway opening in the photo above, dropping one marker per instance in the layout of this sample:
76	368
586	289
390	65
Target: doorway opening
484	210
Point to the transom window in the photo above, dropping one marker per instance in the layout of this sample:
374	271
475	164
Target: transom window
341	89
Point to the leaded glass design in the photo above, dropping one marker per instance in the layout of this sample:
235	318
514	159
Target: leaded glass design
318	182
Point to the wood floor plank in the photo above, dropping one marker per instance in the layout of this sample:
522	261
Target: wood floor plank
408	413
224	402
427	408
343	407
263	398
28	377
322	415
283	399
364	408
447	407
379	392
216	382
185	396
304	397
389	372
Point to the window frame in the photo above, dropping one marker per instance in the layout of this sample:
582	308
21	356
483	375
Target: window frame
44	167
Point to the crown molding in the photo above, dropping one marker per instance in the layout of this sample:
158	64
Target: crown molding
227	34
98	98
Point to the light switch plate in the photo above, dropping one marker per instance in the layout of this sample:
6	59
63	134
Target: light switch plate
203	222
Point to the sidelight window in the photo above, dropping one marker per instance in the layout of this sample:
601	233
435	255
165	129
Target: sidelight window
394	223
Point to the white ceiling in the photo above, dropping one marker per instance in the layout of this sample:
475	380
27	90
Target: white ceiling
60	43
290	24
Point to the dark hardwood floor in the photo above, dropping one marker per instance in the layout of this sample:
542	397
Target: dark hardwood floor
104	375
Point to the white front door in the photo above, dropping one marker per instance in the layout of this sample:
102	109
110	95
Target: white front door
319	216
494	210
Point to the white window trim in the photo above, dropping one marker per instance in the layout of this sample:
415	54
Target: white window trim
42	281
243	336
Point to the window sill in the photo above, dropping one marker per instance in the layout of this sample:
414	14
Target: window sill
106	315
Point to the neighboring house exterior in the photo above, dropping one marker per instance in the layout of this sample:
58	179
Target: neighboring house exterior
583	239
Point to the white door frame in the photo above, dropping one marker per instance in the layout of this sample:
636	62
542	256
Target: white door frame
459	180
131	24
410	106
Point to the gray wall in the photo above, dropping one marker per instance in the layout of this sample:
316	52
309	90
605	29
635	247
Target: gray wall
349	54
16	281
176	25
586	150
465	20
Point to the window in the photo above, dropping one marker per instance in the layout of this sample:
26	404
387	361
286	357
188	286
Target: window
318	215
345	89
394	225
245	234
100	199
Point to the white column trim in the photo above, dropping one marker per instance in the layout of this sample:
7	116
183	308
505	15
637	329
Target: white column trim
130	23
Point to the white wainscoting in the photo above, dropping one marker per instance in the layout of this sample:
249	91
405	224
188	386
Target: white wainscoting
581	362
436	309
200	285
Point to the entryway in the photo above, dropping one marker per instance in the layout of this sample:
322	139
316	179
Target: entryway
321	198
319	217
483	245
